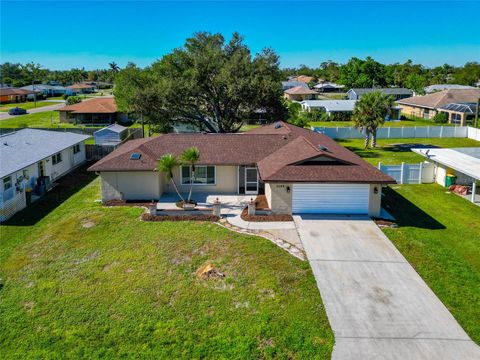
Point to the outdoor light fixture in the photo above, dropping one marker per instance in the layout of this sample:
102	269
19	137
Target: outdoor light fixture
375	190
288	189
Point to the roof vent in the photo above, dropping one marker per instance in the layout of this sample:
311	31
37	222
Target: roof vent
135	156
323	148
278	125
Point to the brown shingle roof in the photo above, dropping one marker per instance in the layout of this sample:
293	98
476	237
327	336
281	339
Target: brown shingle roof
441	98
93	106
15	91
80	86
299	90
278	151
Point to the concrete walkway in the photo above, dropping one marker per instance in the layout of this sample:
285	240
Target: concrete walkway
377	305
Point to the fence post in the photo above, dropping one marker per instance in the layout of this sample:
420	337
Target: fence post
441	131
420	172
402	170
380	165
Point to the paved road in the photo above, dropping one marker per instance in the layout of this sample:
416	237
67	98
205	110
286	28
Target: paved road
377	305
55	106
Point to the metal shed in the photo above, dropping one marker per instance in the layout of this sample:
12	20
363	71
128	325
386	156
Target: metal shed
110	135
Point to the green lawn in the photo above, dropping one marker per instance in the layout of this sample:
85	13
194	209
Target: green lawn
396	151
439	234
86	281
42	119
26	105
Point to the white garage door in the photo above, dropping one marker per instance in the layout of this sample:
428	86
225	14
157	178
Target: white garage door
330	198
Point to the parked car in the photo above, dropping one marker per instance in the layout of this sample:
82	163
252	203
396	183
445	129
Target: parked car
17	111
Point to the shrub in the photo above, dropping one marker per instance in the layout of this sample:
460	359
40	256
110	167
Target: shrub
65	96
440	118
71	100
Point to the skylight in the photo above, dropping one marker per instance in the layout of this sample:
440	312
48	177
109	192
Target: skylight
135	156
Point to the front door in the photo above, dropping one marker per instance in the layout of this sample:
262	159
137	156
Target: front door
41	168
251	180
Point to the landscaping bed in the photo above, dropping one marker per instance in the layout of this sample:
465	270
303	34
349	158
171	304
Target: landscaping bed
116	202
199	217
265	218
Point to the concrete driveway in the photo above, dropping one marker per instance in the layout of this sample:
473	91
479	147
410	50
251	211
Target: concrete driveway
377	305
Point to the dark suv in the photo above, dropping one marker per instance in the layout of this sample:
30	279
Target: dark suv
17	111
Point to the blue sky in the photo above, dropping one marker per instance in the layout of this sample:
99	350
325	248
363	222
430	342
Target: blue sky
89	34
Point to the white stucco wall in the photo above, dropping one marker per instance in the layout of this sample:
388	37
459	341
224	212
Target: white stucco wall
225	182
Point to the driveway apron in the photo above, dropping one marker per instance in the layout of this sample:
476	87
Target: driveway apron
377	304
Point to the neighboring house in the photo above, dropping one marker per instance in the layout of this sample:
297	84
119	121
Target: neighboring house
97	111
111	135
326	87
427	106
299	93
291	84
462	114
298	170
396	93
301	78
14	95
440	87
329	106
49	90
31	160
82	88
462	163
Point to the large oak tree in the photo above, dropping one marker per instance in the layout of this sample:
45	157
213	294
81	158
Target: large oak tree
208	82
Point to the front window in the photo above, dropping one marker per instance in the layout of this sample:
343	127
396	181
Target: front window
76	148
456	118
204	175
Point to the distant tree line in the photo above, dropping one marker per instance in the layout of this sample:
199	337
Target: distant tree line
368	73
18	75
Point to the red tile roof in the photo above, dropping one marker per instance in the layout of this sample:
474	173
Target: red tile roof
15	91
299	90
80	86
282	152
93	106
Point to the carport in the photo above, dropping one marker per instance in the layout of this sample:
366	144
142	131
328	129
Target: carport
463	162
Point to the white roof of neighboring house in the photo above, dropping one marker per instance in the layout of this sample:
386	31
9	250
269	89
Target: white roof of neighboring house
466	161
40	87
25	147
114	127
328	85
440	87
331	105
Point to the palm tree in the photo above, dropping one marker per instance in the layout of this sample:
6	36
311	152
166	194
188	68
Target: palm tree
370	113
190	157
166	164
114	68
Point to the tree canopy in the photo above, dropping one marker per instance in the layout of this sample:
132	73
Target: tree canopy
211	82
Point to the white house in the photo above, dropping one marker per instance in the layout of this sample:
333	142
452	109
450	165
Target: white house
30	160
329	106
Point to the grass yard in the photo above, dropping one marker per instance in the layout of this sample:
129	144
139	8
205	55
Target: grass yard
396	151
45	119
439	234
86	281
26	105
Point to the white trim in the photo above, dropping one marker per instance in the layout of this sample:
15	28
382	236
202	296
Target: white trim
197	166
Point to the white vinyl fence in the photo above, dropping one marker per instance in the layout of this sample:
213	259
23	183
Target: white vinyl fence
403	132
421	173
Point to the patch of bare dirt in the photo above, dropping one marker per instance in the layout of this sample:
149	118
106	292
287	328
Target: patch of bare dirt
116	202
200	217
265	218
208	271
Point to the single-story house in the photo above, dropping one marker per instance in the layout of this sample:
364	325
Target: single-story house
31	160
440	87
462	114
49	90
14	95
329	106
101	110
328	87
301	78
427	106
291	84
298	170
299	93
111	135
82	88
463	163
396	93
